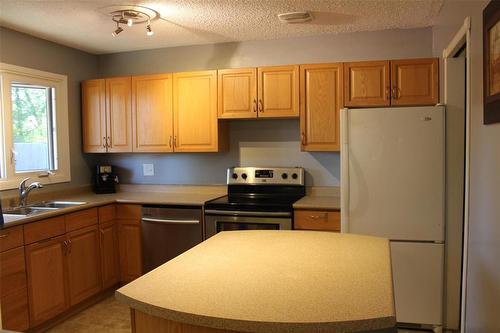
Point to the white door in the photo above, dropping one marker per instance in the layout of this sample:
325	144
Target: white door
417	270
395	176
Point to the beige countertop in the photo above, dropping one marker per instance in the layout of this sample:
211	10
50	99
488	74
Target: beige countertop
190	197
273	281
318	202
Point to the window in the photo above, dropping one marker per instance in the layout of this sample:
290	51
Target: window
33	127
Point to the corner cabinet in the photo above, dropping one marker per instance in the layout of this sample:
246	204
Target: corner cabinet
152	113
321	101
196	127
106	115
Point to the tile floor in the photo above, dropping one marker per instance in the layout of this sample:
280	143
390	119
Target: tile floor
108	316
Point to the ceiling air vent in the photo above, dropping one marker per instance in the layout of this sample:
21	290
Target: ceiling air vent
295	17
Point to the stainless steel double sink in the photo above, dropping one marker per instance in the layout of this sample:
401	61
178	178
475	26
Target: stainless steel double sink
39	208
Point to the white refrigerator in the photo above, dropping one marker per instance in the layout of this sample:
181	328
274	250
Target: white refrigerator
393	186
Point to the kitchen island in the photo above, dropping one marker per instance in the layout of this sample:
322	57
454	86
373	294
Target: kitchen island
268	281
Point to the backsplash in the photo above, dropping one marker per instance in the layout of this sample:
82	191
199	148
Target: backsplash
252	143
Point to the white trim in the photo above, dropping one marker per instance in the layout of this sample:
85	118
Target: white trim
10	73
463	37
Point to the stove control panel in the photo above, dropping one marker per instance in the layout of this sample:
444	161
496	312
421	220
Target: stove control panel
265	176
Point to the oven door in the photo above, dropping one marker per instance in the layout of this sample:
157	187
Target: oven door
219	220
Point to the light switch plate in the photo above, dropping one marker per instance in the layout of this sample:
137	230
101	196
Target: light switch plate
148	169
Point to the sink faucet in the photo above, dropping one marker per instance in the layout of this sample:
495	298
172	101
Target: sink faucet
24	191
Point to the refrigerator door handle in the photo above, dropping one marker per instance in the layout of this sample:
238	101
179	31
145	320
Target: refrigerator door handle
344	170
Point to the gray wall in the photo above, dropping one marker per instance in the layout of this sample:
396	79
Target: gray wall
262	142
483	269
24	50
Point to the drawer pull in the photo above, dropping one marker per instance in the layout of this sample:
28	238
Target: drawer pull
317	217
4	235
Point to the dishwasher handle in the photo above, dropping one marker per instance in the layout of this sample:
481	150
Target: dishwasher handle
170	221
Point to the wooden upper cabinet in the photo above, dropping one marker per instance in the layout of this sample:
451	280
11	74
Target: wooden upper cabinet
278	91
237	93
415	82
47	284
83	262
152	113
94	116
321	100
367	83
195	112
119	114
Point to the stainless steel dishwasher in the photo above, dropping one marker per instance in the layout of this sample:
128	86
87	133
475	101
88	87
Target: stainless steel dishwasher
168	231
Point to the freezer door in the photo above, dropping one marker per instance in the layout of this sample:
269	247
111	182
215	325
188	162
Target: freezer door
417	270
395	160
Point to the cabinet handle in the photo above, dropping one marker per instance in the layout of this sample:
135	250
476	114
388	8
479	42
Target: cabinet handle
104	142
4	235
317	217
170	142
69	246
394	93
175	141
303	138
388	92
108	141
261	106
65	249
254	105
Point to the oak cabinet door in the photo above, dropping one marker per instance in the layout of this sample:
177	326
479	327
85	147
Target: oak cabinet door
415	82
47	284
119	114
129	241
109	254
152	113
195	112
83	264
94	116
321	100
15	314
237	93
278	89
366	83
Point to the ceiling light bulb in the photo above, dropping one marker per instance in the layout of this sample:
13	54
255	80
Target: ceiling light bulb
149	32
130	22
117	31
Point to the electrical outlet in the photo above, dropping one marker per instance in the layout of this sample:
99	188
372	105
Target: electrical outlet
148	169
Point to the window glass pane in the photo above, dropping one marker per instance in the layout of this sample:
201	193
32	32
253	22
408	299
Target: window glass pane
32	128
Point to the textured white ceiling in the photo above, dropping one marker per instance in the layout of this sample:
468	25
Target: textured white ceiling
80	24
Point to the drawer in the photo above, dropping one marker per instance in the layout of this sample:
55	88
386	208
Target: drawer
107	213
129	212
12	271
317	220
81	219
11	238
44	229
15	315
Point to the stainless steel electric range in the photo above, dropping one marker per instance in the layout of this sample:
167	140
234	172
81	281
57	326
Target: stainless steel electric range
258	198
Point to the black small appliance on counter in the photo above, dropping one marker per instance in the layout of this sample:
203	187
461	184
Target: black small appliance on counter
105	180
1	215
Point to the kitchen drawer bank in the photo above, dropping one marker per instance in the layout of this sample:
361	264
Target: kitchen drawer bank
247	290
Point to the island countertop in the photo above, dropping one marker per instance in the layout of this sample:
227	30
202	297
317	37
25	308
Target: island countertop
273	281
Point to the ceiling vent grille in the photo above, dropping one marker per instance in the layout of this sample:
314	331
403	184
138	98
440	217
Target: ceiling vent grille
295	17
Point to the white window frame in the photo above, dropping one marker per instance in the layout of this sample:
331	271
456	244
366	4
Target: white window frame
11	73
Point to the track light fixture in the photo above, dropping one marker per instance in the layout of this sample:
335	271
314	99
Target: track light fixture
117	31
149	31
129	16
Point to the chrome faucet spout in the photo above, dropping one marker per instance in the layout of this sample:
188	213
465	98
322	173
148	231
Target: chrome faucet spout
24	191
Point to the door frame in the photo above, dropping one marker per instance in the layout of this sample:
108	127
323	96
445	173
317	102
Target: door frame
462	39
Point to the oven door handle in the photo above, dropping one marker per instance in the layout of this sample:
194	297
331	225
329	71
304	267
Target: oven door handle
171	221
246	213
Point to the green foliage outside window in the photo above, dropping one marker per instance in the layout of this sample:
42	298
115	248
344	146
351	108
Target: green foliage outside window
29	114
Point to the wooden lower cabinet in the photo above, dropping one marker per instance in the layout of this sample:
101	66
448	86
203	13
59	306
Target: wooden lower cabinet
15	314
320	220
110	269
83	263
47	283
129	232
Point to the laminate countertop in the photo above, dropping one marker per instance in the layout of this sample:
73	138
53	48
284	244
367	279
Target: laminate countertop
95	200
318	202
273	281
